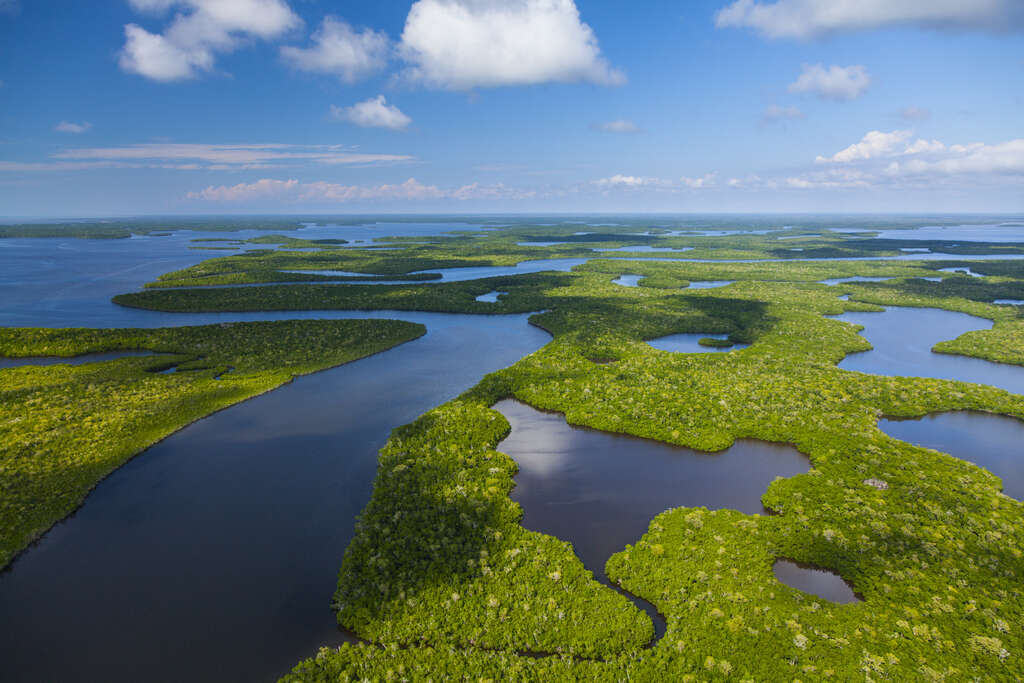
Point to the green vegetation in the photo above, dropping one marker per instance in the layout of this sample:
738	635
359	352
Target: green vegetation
440	574
714	343
442	579
64	428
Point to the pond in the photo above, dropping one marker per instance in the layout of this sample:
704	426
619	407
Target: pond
814	580
690	343
600	490
490	297
990	441
897	353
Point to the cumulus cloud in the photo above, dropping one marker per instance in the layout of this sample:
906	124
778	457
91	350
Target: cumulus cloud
833	83
69	127
775	114
199	30
373	113
465	44
873	145
812	18
620	126
341	50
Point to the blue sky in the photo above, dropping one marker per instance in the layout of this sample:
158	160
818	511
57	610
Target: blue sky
118	107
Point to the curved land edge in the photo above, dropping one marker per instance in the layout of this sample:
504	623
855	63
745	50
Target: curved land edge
121	408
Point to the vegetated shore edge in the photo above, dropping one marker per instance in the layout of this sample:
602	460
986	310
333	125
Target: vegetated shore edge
415	332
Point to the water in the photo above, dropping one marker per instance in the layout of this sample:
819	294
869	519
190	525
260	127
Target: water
690	343
600	490
964	271
814	580
646	249
213	555
903	338
844	280
1000	232
710	284
628	280
490	297
1010	302
989	441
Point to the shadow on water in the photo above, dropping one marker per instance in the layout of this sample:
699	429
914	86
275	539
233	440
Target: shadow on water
213	555
600	490
989	441
815	580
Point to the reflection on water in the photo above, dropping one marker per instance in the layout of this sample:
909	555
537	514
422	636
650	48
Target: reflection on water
814	580
628	280
600	491
490	297
962	270
856	278
213	555
903	338
989	441
690	343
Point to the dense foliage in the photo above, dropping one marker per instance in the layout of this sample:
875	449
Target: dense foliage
63	427
440	567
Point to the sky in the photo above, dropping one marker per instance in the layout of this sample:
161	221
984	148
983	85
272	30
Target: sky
128	107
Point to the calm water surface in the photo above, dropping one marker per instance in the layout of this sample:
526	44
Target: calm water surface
213	555
990	441
903	338
600	490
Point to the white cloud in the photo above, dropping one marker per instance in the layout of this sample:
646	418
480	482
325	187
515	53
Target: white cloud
619	180
201	29
811	18
69	127
373	113
231	156
293	190
1006	158
834	83
340	50
465	44
775	113
705	181
873	145
620	126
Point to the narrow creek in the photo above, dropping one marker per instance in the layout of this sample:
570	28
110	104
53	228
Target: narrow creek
600	491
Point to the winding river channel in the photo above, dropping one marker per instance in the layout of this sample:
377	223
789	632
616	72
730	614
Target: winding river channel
213	556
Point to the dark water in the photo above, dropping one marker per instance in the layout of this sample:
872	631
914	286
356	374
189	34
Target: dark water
903	338
76	360
814	580
600	491
994	442
690	343
213	556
